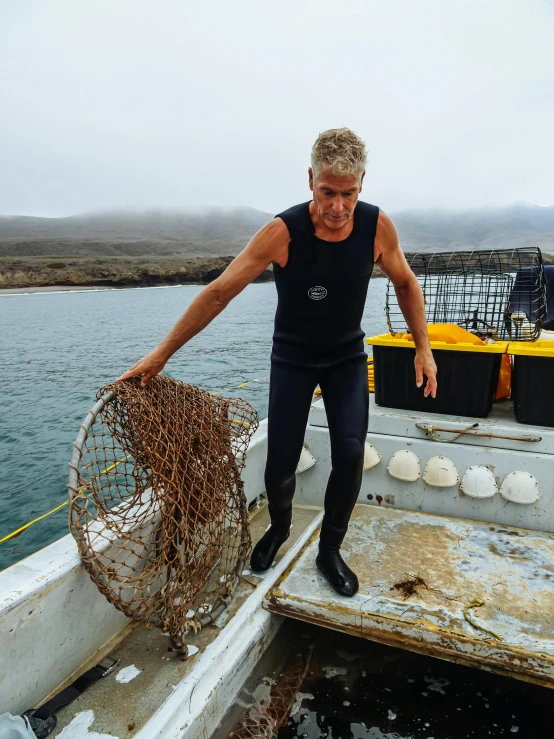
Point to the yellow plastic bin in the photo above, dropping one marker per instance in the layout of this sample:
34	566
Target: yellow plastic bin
467	375
533	381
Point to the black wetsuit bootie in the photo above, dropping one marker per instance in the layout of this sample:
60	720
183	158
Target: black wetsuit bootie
339	575
265	550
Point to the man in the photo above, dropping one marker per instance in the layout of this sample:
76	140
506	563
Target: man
323	254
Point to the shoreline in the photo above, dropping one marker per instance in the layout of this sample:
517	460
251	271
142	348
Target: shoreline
56	289
30	275
87	288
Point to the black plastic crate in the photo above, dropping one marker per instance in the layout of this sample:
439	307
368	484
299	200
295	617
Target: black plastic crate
467	381
533	384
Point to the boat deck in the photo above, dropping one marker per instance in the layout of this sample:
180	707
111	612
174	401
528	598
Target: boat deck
110	708
466	591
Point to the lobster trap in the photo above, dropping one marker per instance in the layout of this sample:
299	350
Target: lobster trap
157	504
498	293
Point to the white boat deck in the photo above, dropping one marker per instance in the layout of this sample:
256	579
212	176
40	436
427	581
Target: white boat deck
458	562
109	708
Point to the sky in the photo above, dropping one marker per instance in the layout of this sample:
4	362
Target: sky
131	103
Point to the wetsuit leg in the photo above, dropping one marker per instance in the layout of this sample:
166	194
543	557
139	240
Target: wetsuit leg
346	397
290	394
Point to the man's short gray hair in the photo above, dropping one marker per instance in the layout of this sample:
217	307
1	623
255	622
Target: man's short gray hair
342	150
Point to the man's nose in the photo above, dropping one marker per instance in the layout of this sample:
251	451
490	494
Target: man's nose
337	205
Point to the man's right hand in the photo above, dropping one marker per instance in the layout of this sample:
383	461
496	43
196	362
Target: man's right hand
148	367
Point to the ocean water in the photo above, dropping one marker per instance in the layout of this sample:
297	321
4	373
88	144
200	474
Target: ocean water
58	349
315	683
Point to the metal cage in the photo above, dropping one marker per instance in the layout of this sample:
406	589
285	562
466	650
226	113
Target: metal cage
497	293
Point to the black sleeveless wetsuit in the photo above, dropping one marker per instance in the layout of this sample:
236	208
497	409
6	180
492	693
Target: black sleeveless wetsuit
318	339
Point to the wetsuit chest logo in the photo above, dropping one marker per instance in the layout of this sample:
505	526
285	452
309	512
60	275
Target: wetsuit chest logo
317	292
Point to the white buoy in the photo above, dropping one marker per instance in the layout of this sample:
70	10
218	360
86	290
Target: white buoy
522	328
520	487
306	460
479	482
404	465
371	457
440	472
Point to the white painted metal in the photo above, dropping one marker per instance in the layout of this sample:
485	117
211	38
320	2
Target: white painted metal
520	487
371	457
501	422
306	461
479	482
440	472
379	488
52	619
404	465
253	472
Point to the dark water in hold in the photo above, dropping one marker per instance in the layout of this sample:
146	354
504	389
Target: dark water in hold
58	349
356	689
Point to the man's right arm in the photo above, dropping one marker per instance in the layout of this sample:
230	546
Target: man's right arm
269	245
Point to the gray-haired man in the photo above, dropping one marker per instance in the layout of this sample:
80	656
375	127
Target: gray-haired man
323	252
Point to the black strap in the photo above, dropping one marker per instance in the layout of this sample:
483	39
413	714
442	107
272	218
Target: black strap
43	714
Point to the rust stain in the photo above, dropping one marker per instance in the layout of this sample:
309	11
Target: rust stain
514	663
456	561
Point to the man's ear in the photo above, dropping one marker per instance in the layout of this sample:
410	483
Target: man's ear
361	180
311	178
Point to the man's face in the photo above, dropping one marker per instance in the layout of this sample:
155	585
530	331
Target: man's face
335	196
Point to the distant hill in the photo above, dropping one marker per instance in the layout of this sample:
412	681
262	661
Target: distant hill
487	228
216	232
205	232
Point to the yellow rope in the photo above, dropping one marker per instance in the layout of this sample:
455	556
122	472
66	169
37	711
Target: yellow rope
476	603
57	508
111	467
238	387
18	531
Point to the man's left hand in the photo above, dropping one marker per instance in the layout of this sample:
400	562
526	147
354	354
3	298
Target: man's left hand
425	365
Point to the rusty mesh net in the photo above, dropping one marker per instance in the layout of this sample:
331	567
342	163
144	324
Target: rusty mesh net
264	719
157	505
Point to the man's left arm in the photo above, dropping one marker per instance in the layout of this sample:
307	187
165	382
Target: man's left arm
392	261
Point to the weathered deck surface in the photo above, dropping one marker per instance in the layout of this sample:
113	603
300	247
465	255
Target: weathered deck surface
117	710
511	570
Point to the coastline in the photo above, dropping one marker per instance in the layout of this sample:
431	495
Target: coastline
27	275
48	289
33	276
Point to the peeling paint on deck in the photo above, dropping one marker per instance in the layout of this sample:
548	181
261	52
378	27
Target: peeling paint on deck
458	560
79	728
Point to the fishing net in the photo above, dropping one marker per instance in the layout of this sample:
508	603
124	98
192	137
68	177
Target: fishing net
157	504
265	718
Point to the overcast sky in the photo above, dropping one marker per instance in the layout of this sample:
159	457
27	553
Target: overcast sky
115	103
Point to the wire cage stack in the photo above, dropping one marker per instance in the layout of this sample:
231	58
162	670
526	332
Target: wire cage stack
498	293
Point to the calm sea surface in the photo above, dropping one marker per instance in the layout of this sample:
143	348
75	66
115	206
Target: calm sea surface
58	349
